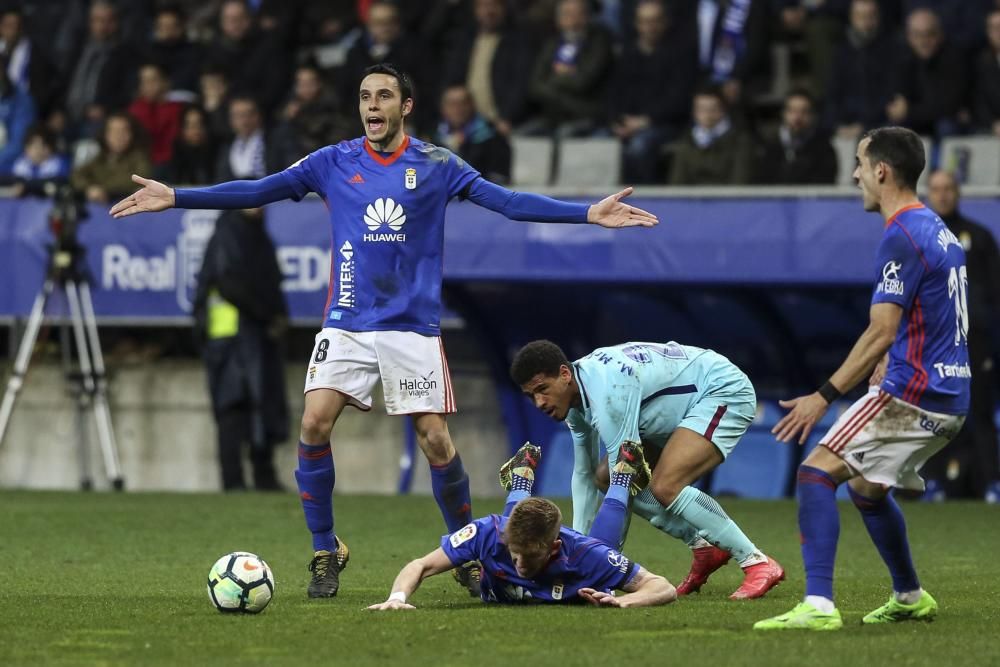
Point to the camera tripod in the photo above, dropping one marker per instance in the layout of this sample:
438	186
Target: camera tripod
67	272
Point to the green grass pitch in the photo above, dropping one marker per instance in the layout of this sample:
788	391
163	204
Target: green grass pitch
120	579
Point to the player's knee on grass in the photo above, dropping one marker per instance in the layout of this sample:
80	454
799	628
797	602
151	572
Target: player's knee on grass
602	476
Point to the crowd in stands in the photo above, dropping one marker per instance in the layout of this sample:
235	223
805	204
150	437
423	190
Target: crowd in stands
199	91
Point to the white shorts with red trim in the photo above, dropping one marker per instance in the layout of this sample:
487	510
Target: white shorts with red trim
411	366
887	440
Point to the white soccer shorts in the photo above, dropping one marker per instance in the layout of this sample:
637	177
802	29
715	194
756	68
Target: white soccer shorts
412	367
887	440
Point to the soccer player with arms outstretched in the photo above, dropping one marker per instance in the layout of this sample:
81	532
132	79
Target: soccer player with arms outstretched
528	556
915	351
689	406
387	194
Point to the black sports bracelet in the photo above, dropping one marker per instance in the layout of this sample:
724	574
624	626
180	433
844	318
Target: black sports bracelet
829	392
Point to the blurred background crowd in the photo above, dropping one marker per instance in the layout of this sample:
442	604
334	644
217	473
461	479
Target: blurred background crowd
697	91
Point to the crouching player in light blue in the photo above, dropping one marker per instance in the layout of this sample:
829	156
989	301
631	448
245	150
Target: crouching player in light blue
688	407
528	556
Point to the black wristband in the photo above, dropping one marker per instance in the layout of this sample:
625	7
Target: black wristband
829	392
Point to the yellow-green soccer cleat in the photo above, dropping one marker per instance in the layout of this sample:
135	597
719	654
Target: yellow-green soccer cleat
632	462
522	464
803	617
924	609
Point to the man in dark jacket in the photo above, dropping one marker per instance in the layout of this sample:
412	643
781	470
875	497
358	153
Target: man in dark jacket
240	315
494	62
645	115
470	136
859	80
799	153
929	81
970	465
571	72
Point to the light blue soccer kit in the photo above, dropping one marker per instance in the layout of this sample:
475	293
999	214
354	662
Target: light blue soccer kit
643	392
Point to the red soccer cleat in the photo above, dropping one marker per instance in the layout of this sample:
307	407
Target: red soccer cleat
759	579
706	561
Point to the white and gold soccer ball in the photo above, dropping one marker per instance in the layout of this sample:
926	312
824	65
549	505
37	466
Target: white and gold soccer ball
240	582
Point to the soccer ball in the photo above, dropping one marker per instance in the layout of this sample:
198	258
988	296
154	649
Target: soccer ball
240	582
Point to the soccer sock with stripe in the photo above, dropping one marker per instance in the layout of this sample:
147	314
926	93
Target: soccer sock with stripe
650	509
887	528
450	485
702	511
316	477
819	528
609	524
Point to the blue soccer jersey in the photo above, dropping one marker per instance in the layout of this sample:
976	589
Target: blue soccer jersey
582	562
921	267
387	217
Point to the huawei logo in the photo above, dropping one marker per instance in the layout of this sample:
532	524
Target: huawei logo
385	212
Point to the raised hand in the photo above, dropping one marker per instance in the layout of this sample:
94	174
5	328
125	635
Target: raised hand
154	196
806	411
611	212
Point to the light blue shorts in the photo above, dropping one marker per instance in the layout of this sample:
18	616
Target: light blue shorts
724	414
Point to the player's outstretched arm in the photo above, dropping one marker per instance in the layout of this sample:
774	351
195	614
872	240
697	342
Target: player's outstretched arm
410	577
155	196
645	589
860	363
610	212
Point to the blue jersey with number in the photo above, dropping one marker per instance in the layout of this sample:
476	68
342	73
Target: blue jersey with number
921	267
387	217
582	562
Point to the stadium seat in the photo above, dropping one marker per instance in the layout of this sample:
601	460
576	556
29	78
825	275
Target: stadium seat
583	162
531	160
845	147
974	160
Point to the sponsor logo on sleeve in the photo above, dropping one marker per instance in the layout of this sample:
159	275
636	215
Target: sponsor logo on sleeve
891	284
618	561
953	370
463	535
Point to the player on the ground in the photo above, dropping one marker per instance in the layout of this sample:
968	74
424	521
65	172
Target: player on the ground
915	352
387	194
688	406
528	556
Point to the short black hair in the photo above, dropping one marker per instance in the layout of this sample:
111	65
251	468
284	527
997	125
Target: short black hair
901	149
711	90
804	94
538	356
405	85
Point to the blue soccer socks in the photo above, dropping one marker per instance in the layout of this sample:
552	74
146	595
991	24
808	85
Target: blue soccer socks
450	485
316	477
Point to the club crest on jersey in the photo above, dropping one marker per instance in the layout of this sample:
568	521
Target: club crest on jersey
891	284
410	180
388	213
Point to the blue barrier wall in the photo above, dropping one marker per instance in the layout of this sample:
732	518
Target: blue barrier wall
144	266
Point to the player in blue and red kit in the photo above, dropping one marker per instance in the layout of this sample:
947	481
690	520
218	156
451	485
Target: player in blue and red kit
528	556
387	194
916	351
